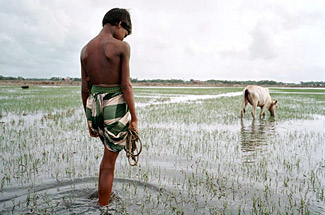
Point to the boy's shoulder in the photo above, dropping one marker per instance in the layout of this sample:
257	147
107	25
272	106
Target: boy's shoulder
121	44
118	45
125	46
109	45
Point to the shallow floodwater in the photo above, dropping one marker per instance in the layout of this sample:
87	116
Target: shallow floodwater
199	157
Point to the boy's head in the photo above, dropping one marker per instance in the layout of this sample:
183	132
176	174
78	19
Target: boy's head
117	15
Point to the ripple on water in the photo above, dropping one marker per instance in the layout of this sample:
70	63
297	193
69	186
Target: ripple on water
77	196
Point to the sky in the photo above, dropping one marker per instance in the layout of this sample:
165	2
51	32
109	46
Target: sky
280	40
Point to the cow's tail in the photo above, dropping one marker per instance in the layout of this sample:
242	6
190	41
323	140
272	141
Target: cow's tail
246	94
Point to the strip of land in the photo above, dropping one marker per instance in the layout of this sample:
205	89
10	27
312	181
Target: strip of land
165	83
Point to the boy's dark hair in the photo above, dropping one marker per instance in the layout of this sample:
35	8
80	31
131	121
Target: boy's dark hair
117	15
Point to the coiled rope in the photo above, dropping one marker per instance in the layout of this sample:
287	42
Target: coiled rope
133	147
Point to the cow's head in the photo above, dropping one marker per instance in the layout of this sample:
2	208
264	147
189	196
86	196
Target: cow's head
273	107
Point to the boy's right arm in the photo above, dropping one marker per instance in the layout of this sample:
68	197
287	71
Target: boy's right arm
126	84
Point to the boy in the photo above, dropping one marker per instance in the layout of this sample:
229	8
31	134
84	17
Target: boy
107	92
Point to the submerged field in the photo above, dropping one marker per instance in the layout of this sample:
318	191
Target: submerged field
199	157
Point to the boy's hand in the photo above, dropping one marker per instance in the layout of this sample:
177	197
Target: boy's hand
134	124
91	133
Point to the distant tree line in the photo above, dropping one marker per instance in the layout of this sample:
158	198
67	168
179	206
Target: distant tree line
229	82
264	82
313	83
173	81
180	81
39	79
11	78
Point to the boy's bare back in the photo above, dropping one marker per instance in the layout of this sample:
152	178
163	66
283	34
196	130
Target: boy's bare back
104	58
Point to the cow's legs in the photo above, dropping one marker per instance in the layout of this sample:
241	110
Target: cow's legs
262	113
254	109
244	107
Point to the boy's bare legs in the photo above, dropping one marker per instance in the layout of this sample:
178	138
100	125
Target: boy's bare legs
106	175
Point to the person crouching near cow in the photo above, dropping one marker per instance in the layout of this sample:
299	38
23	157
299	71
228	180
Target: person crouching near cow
258	97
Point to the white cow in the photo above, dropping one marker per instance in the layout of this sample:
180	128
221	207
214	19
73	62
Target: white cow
258	96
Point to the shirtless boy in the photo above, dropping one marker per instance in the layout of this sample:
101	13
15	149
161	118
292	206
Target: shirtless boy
107	92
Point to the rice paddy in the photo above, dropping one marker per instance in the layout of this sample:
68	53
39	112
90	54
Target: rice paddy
199	157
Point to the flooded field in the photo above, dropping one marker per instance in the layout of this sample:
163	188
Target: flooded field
199	157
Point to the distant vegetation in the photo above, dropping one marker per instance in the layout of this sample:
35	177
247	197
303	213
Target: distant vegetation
39	79
229	82
180	81
215	82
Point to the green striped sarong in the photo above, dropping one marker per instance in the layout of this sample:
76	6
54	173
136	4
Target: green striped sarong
108	116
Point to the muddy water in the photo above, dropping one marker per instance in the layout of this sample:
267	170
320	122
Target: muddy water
69	197
242	166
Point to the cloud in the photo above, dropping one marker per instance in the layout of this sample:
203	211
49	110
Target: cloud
262	45
171	39
39	39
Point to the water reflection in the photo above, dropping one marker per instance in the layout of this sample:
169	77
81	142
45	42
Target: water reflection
255	136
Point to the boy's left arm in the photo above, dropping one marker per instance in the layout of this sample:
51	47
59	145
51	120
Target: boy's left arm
84	93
